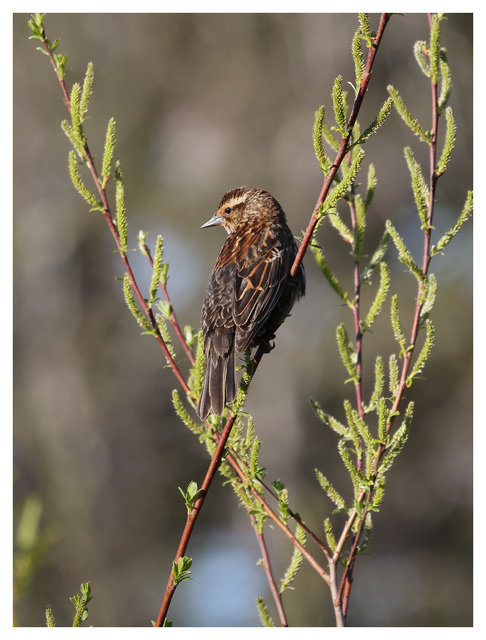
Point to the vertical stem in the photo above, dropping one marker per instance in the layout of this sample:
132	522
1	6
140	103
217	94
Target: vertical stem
346	580
336	599
268	572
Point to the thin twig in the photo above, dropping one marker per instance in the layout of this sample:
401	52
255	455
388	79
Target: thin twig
278	522
344	146
173	319
192	517
114	232
268	572
346	581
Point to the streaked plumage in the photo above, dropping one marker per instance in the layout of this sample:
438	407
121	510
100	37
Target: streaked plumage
250	292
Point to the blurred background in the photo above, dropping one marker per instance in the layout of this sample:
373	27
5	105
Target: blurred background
204	103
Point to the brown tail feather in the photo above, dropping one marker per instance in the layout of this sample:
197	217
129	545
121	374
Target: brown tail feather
219	387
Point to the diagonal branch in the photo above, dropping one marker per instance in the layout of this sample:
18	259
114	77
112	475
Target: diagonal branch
344	146
268	572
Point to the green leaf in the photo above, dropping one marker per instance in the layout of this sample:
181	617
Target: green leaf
263	613
74	139
397	329
360	226
376	258
339	105
328	420
110	141
322	157
377	122
398	442
60	61
50	620
330	538
371	186
191	495
383	415
340	191
347	352
379	493
196	377
121	214
36	25
86	92
295	562
181	569
446	82
424	353
429	299
364	23
352	426
329	274
158	263
421	54
406	116
393	374
447	237
330	491
348	463
79	184
450	138
419	188
434	48
164	330
359	63
80	602
379	300
76	118
379	383
255	450
337	222
404	254
132	305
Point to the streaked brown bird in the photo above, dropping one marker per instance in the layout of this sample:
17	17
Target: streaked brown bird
250	292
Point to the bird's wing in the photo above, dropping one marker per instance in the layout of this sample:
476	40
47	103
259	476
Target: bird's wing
217	311
260	279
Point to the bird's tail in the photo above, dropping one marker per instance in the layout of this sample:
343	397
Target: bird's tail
219	387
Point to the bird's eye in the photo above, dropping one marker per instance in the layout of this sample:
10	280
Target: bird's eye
227	210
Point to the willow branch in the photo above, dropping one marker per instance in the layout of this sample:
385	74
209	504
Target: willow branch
269	574
346	581
173	318
192	517
114	232
344	146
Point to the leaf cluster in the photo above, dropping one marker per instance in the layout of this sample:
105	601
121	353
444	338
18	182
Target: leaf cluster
368	445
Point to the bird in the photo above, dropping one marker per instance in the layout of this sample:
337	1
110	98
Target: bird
250	292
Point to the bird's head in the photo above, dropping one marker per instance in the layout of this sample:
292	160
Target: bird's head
245	205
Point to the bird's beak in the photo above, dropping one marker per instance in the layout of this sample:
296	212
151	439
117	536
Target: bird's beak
213	222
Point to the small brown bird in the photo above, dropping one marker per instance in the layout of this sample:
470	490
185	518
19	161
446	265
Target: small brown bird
250	292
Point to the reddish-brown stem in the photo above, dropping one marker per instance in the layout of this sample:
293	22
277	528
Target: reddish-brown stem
346	581
356	317
344	146
268	572
328	180
114	232
221	441
278	523
297	518
173	317
64	90
192	516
